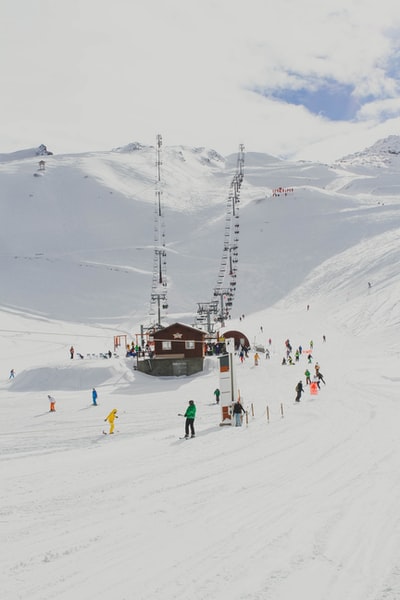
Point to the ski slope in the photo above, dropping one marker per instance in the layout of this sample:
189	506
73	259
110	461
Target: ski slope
303	504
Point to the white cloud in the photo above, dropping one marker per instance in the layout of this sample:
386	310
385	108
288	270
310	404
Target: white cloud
94	75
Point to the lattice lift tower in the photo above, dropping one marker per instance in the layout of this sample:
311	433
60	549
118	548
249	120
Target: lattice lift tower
224	291
159	298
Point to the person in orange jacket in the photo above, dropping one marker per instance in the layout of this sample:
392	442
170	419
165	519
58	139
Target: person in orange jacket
111	418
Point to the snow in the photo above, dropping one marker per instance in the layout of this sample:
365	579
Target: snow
303	504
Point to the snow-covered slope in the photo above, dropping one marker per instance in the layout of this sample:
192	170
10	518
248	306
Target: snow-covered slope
302	501
82	228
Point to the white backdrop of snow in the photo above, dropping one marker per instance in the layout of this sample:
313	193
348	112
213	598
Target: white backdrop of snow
305	505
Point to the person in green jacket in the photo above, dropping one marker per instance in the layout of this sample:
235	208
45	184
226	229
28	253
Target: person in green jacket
190	415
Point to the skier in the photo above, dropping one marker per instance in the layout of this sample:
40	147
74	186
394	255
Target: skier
71	352
308	376
256	359
321	377
237	412
94	397
12	374
111	418
190	415
217	394
52	403
299	390
316	380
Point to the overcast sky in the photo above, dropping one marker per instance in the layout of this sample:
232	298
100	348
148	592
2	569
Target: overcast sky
304	79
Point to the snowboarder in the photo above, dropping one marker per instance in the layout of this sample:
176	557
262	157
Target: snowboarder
237	412
190	415
94	397
316	380
71	352
111	418
217	394
299	390
52	403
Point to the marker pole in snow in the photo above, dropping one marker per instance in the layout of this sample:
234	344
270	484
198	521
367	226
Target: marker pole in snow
267	414
282	410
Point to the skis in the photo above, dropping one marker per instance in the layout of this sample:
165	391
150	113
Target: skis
187	437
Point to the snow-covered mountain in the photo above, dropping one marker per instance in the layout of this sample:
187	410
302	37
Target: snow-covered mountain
83	227
302	501
384	153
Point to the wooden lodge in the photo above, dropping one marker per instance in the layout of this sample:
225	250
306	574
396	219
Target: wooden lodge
178	350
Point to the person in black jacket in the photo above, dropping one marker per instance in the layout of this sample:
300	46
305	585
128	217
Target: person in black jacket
237	412
299	390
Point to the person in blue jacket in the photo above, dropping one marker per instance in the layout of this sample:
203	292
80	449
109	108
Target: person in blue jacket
94	397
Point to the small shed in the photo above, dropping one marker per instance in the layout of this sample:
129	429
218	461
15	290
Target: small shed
240	338
178	350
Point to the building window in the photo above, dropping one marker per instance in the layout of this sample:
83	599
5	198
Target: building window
189	345
166	345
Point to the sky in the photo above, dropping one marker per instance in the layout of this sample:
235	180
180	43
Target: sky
306	80
302	499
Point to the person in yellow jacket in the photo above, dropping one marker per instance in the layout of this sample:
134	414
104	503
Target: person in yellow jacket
111	418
